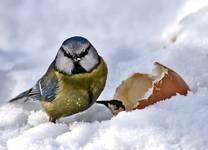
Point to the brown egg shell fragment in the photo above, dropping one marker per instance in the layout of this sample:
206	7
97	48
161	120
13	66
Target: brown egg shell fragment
133	89
141	90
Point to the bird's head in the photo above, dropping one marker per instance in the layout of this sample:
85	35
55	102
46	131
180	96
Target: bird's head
115	106
76	55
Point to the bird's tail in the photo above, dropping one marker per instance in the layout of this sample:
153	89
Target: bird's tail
21	97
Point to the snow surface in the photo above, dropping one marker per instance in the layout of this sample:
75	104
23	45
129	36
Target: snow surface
130	36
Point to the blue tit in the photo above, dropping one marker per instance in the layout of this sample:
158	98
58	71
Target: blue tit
73	81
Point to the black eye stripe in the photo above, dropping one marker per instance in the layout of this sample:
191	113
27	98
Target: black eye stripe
84	53
65	54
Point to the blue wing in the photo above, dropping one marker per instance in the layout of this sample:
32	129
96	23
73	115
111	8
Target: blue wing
48	88
45	88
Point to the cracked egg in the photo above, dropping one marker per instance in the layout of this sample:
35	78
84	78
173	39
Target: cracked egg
141	90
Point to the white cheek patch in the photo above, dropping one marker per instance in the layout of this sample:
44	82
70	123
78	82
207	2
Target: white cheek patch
89	61
64	64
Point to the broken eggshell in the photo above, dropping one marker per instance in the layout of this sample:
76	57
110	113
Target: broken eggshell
141	90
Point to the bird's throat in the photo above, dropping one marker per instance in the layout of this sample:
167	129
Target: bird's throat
78	68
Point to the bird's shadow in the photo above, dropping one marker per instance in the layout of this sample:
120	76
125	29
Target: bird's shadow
95	113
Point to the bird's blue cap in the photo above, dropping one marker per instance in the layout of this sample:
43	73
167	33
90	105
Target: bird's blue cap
75	41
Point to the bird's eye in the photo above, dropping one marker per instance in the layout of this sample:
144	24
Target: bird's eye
82	54
66	54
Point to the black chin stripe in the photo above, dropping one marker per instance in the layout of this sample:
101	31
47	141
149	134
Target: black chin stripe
65	54
78	68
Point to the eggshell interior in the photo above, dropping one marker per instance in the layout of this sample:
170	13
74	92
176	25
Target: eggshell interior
141	90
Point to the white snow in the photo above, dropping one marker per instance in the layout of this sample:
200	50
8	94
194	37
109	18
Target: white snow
130	36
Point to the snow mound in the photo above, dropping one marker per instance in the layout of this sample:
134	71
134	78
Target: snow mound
178	123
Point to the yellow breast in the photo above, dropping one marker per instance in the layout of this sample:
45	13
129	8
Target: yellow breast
77	92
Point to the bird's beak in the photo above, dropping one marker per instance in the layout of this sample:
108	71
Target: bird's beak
76	59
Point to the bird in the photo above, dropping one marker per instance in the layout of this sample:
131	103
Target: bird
115	106
73	81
